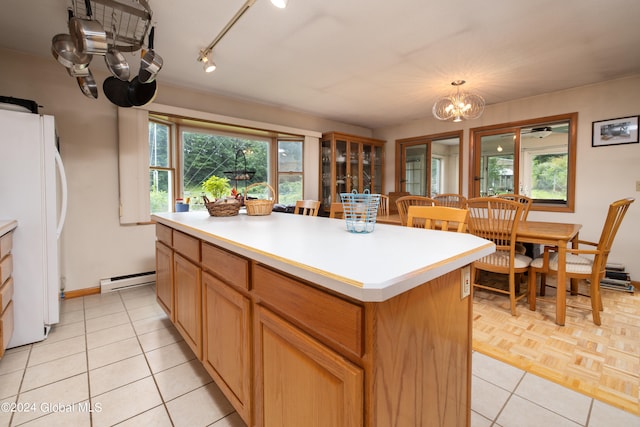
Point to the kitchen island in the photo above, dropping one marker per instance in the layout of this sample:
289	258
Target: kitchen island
301	323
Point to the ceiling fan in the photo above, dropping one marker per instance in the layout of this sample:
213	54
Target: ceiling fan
544	131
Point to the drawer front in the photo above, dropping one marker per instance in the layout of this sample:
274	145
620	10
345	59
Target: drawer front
164	234
6	243
229	267
6	268
329	318
6	326
6	293
186	245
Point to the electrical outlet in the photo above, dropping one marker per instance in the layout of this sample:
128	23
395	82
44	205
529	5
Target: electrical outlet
465	282
637	185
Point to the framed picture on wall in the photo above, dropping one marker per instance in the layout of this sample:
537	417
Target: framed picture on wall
615	131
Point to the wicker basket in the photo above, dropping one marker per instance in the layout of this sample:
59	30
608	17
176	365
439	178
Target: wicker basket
259	206
222	207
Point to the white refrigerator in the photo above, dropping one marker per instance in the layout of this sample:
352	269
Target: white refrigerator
33	192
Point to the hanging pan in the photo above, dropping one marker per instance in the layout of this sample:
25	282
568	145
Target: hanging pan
117	91
88	85
64	50
88	34
115	60
142	93
150	63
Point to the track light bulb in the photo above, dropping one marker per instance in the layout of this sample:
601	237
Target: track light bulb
280	3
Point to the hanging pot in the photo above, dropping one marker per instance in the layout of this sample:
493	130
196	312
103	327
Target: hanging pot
65	52
88	35
142	93
150	63
117	91
116	62
88	85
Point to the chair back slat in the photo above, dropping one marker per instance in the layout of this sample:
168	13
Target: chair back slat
438	217
404	202
526	202
451	200
495	219
615	215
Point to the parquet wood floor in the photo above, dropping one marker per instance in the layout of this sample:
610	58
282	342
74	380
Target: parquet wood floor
602	362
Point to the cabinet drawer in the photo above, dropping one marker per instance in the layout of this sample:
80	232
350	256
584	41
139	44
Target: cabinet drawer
229	267
6	293
186	245
6	327
6	268
6	243
327	317
163	234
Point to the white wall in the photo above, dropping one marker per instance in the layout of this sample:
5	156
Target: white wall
604	174
94	244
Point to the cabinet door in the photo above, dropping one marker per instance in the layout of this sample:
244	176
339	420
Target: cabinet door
188	302
227	342
164	278
302	382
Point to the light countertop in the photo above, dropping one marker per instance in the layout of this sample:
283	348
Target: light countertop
7	225
368	267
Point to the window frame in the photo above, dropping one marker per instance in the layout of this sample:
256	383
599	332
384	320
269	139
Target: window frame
178	124
475	135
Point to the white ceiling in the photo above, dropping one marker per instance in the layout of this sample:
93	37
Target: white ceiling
371	63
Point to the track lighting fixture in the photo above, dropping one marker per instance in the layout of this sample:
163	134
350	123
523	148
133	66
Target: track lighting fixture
207	60
205	54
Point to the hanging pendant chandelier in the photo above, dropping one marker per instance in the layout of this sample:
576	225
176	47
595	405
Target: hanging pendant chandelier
458	106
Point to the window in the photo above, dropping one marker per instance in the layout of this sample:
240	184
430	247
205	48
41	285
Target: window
161	172
429	164
289	172
202	149
535	158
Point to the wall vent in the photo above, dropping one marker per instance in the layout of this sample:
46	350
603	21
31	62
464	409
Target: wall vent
129	281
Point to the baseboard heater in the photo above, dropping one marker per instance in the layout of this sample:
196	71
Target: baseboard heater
129	281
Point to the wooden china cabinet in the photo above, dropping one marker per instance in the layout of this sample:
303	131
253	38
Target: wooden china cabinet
347	163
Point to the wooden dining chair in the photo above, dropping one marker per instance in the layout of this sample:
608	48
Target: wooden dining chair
497	220
383	207
578	266
336	210
451	199
404	202
438	217
307	207
526	205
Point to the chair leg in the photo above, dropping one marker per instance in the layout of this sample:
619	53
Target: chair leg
596	301
543	283
512	293
532	290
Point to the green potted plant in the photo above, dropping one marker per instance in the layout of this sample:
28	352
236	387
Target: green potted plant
217	187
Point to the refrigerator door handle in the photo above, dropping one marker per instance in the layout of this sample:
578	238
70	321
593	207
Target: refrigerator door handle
63	184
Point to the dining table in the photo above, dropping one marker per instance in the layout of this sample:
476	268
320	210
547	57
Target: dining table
556	234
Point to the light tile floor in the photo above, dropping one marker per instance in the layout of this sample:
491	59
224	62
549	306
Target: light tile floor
115	359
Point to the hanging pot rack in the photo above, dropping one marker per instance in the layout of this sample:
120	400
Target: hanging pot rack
130	19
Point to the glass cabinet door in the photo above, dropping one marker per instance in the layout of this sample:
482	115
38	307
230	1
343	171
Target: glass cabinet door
367	176
377	165
326	164
342	172
354	167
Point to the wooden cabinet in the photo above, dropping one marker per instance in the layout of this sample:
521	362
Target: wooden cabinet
6	290
302	382
287	352
188	290
227	342
348	163
164	278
